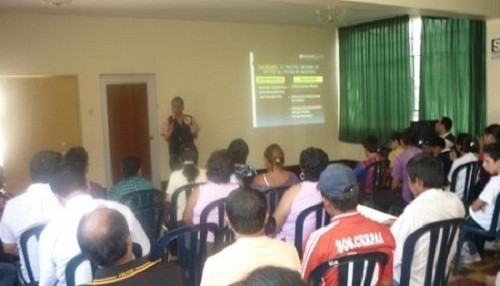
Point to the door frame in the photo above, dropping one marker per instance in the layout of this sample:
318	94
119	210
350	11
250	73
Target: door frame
150	81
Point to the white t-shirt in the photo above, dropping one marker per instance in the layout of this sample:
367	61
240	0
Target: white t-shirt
236	261
178	180
430	206
489	196
58	241
35	206
464	159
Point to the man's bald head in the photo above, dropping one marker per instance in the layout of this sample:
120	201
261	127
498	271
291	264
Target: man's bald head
104	236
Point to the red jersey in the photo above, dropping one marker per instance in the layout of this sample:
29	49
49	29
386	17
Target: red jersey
349	233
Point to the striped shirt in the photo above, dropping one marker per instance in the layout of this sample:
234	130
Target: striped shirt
349	233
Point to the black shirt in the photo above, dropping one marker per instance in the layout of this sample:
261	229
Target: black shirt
140	272
181	134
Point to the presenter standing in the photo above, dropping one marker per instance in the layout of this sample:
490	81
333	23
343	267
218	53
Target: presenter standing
178	129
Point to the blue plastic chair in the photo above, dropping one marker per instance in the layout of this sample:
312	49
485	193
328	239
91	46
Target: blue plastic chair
32	232
151	219
225	235
471	170
191	248
441	234
73	265
273	197
322	219
185	190
492	233
353	270
142	198
377	169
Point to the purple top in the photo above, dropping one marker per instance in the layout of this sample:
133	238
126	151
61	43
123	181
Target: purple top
292	180
307	196
399	171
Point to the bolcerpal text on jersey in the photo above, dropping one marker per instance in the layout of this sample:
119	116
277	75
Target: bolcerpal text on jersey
361	240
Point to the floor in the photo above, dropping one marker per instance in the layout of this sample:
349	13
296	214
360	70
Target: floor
473	274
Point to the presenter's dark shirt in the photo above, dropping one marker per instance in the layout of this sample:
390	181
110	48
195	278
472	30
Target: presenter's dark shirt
181	134
140	272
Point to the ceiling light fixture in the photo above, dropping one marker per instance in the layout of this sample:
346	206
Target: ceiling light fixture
56	3
331	14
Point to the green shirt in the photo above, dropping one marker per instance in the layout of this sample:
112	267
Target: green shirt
127	186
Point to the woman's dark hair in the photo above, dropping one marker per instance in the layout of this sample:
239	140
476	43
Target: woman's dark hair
370	143
465	143
219	167
396	137
408	137
238	149
493	129
493	150
274	155
312	162
189	158
426	168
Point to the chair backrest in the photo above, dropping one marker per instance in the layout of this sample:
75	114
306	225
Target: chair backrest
354	269
494	227
26	236
273	197
174	202
441	234
72	266
191	248
471	171
142	198
151	219
224	233
372	178
322	219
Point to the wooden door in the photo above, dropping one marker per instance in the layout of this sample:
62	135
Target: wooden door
128	126
37	113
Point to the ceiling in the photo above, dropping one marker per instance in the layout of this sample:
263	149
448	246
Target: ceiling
287	12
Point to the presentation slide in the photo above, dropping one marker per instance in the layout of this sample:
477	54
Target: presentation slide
287	90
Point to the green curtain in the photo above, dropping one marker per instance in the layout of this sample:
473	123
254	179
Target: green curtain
453	73
375	79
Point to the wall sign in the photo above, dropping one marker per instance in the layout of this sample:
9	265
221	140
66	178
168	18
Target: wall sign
495	48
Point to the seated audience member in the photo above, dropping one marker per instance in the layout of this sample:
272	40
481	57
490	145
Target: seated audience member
481	210
104	237
218	186
435	146
272	276
464	149
58	241
443	129
399	174
339	189
431	204
246	214
34	206
301	196
491	135
132	180
275	176
243	173
79	156
371	148
189	174
396	148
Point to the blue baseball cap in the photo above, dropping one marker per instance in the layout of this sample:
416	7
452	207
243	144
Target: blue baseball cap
335	180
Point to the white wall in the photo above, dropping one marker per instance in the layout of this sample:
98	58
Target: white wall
492	74
205	63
